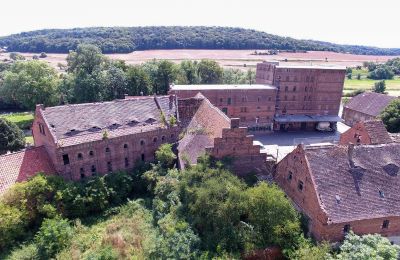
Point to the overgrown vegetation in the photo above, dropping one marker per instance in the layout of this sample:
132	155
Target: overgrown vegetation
128	39
391	116
155	212
11	137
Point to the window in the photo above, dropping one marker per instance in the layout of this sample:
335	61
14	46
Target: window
80	156
290	176
109	166
346	228
155	140
294	89
82	172
142	142
163	138
125	146
285	98
221	100
225	110
107	150
172	136
243	109
229	101
305	89
91	153
143	158
381	194
385	224
243	99
126	162
41	129
93	169
300	186
258	108
258	99
286	88
66	159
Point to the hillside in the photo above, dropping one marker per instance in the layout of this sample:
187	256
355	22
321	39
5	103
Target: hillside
128	39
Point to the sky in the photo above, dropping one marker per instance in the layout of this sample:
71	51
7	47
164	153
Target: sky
361	22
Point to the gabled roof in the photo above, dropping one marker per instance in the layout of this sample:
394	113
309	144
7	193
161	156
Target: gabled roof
377	132
370	188
20	166
75	124
369	103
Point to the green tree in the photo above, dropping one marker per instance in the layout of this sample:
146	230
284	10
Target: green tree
165	155
367	247
380	87
29	83
381	72
115	83
275	220
166	74
11	137
53	236
87	57
12	225
138	81
210	72
391	116
190	72
16	56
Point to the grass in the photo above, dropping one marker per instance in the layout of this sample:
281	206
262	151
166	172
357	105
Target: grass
22	120
29	139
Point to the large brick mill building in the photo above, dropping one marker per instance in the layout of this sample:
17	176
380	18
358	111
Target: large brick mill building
81	140
284	97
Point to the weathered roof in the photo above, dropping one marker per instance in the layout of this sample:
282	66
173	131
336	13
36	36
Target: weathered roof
369	103
369	189
74	124
377	132
20	166
201	131
222	87
319	67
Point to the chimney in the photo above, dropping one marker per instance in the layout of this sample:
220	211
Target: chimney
350	152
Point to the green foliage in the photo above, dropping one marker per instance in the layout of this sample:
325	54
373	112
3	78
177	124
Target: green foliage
349	76
209	72
391	116
11	137
306	250
354	93
22	120
12	224
25	252
236	76
16	56
128	39
138	81
381	72
380	87
172	120
43	55
53	236
367	247
29	83
165	155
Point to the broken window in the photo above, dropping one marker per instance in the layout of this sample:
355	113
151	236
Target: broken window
80	156
65	159
300	186
290	176
346	228
385	224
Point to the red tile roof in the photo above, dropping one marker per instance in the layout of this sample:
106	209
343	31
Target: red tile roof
80	123
368	189
377	132
20	166
369	103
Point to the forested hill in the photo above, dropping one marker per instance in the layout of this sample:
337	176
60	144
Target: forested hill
128	39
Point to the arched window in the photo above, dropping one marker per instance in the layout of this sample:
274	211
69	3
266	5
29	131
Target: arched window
107	150
91	153
80	156
125	146
82	172
163	138
141	142
155	140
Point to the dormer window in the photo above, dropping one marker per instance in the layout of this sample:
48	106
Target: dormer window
381	194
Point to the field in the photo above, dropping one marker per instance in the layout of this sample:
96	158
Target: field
392	86
230	58
22	120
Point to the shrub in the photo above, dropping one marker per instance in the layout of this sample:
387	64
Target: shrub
391	116
380	87
12	225
25	252
381	72
53	236
43	55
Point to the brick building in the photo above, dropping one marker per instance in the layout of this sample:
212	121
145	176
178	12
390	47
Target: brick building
283	98
253	104
365	106
342	188
76	141
368	132
210	131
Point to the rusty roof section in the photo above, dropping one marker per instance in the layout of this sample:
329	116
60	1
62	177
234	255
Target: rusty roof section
359	183
20	166
369	103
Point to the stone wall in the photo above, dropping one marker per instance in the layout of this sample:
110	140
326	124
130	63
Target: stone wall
351	117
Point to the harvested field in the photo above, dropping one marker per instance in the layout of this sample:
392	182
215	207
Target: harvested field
230	58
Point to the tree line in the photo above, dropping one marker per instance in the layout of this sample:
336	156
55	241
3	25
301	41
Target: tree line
91	77
128	39
386	70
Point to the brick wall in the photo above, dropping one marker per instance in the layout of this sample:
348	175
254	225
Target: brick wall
351	117
355	135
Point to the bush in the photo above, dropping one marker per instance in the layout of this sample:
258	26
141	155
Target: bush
25	252
11	137
43	55
391	116
354	93
381	72
12	225
53	236
380	87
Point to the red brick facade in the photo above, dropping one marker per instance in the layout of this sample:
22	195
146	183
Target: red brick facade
331	194
369	132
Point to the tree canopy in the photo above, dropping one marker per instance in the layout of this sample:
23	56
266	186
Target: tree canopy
128	39
391	116
11	137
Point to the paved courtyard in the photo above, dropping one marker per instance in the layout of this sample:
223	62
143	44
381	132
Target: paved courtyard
279	144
